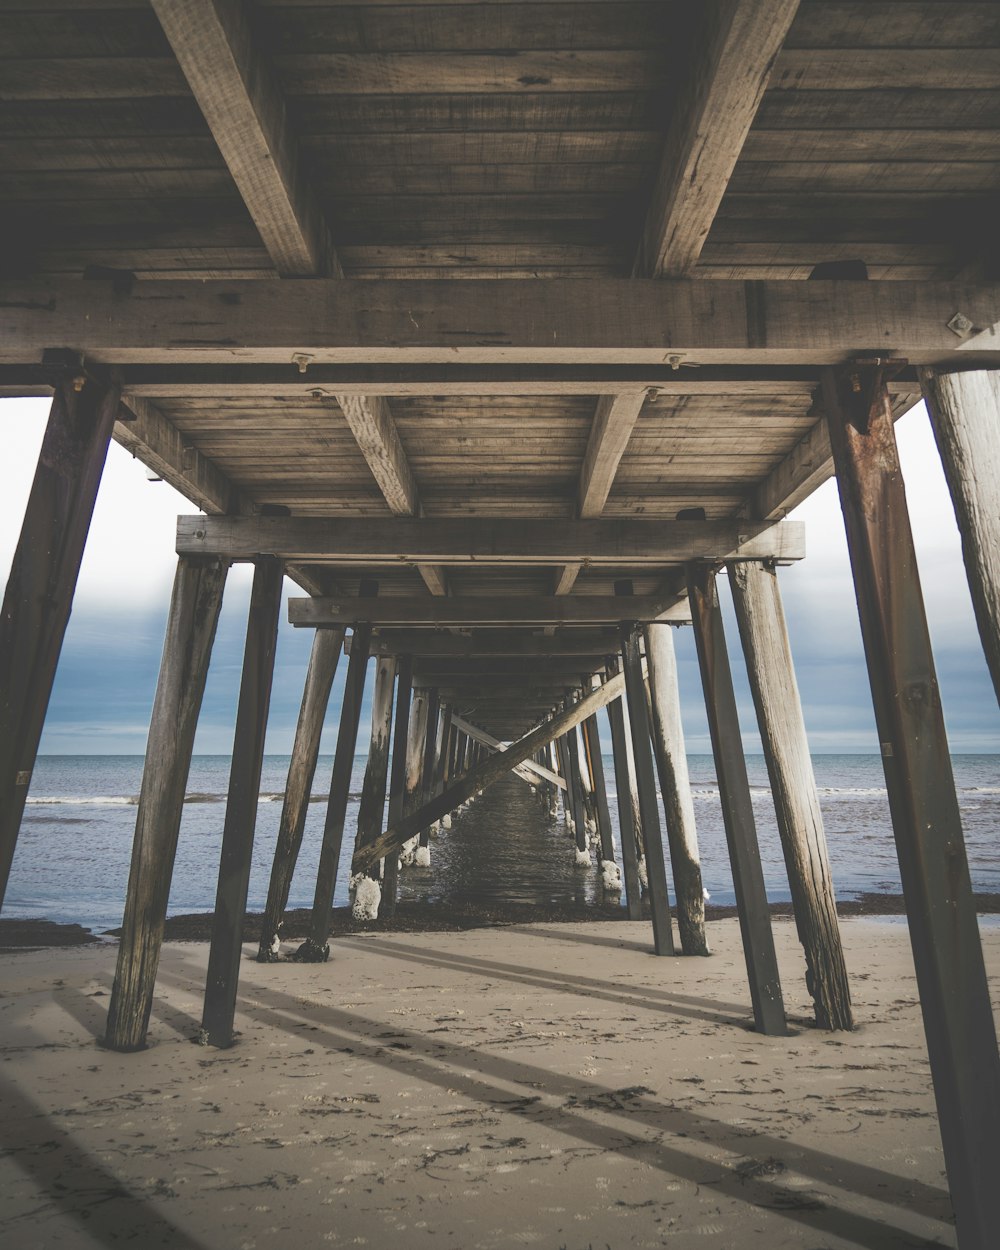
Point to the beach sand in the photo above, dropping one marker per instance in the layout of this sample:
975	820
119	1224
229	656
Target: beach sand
542	1085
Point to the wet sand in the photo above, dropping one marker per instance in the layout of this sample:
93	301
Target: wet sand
549	1085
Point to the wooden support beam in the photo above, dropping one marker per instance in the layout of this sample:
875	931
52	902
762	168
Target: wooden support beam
947	953
675	787
316	949
510	610
488	541
574	787
656	870
761	619
737	806
397	783
426	790
530	769
965	417
610	432
372	806
732	50
430	670
222	981
583	322
187	648
42	582
323	661
489	772
239	96
595	762
587	644
157	442
625	786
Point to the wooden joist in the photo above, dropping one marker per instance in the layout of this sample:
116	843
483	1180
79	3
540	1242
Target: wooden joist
732	52
612	427
487	610
590	645
555	321
240	98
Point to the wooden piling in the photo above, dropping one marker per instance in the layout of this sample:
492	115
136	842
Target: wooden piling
757	599
737	806
187	648
575	791
965	416
947	953
397	783
241	803
675	787
656	869
323	660
372	806
316	948
42	582
592	745
429	746
620	732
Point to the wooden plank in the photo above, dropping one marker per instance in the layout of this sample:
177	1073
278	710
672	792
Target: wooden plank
667	735
908	69
485	610
323	660
488	542
941	913
42	582
965	416
488	772
737	805
614	421
775	692
546	321
222	980
733	49
243	105
187	648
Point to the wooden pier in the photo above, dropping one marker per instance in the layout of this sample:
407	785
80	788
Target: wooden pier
501	330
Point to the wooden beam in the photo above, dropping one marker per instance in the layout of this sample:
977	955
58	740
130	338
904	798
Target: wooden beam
732	51
923	804
488	772
610	432
157	442
486	610
499	321
495	744
588	644
488	542
240	99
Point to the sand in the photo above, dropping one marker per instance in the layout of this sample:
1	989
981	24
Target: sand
550	1085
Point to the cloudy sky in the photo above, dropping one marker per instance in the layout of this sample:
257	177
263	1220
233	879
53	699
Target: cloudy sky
107	675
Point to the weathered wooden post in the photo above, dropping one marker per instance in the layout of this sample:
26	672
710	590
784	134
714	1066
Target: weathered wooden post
323	661
397	782
416	741
42	582
675	787
789	766
620	734
427	765
574	790
187	648
737	806
947	953
372	806
241	803
965	417
316	948
592	745
656	869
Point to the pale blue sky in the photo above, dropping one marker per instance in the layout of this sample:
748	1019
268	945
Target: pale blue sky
104	687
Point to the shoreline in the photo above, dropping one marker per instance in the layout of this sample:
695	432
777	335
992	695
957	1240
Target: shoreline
39	934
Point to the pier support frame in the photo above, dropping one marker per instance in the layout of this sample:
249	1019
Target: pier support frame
42	582
737	807
624	787
241	804
187	649
965	417
947	953
316	948
761	619
656	869
675	787
323	661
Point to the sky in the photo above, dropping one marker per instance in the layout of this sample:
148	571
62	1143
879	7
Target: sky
107	673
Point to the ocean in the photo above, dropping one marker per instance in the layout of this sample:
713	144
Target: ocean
72	859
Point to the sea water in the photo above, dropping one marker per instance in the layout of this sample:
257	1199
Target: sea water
72	858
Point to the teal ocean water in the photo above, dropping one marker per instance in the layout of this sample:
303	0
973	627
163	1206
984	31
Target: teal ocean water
73	855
